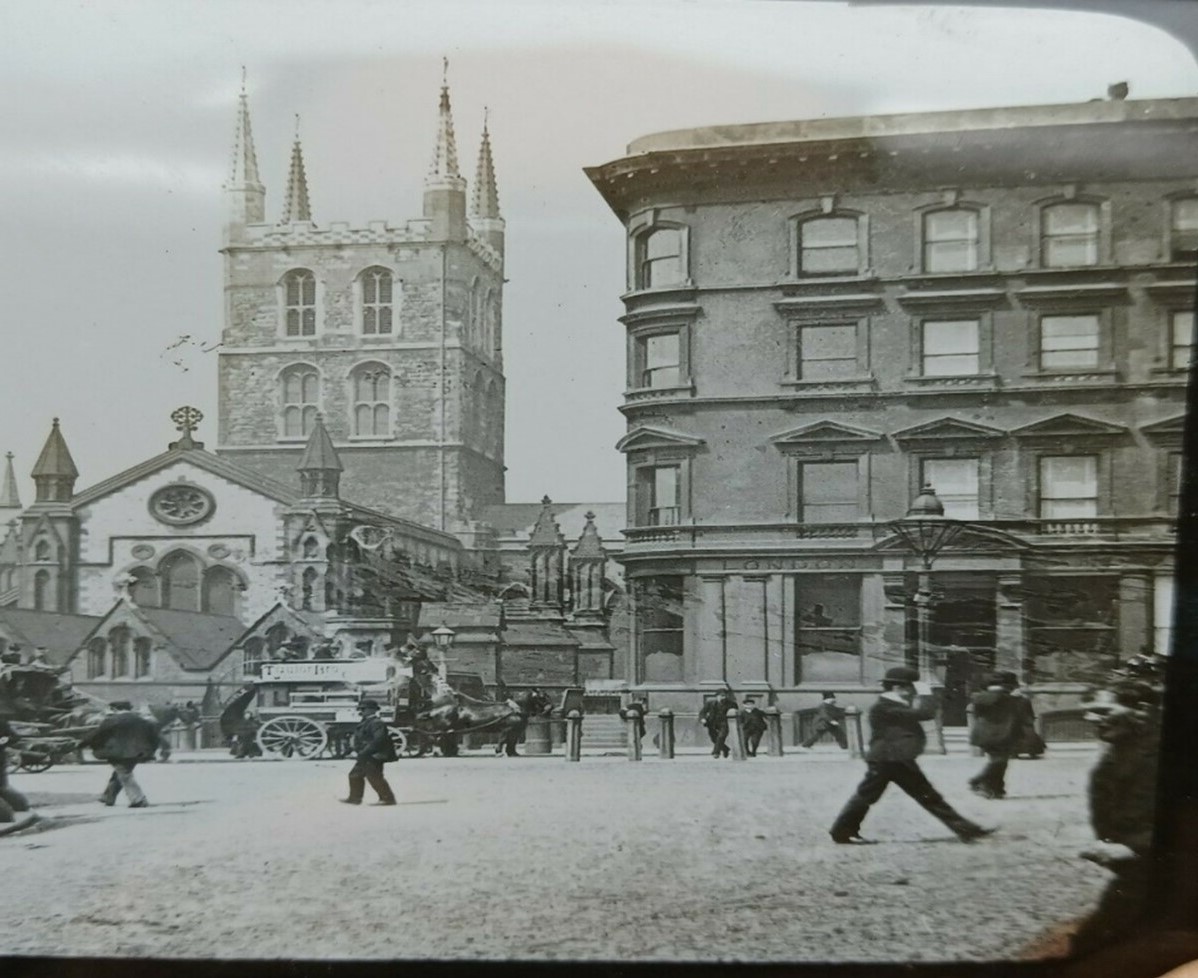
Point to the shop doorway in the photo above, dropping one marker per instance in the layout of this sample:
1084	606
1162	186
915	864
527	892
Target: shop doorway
962	633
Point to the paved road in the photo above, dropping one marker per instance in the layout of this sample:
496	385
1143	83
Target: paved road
692	859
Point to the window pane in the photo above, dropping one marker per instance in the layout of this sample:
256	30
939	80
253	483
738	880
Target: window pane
950	336
1185	214
364	420
293	322
663	271
384	282
385	319
827	352
1070	251
1068	486
369	324
1068	341
952	256
309	380
662	244
829	232
661	351
291	423
829	492
956	483
309	290
382	419
368	288
1071	219
292	388
665	486
1183	339
309	320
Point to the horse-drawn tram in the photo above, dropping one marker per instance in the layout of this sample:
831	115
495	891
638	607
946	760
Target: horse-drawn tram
308	707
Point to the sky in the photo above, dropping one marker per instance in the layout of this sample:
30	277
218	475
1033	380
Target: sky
116	124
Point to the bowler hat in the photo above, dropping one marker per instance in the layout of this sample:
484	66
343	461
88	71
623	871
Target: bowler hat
368	705
1004	679
121	705
901	674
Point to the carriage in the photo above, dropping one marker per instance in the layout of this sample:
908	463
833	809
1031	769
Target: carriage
308	708
48	715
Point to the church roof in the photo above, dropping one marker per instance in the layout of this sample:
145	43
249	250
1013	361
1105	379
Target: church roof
511	519
60	635
538	633
319	453
55	458
196	639
198	457
459	615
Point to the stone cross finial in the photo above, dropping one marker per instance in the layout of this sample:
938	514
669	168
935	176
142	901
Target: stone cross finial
186	420
124	585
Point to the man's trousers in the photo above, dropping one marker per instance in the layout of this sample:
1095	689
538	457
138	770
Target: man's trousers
908	776
366	769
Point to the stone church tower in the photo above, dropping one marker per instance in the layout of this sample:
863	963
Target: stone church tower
392	334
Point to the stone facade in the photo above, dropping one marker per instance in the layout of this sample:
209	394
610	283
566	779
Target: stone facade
824	316
399	328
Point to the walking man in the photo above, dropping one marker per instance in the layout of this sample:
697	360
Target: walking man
124	739
829	719
896	740
997	726
375	748
714	716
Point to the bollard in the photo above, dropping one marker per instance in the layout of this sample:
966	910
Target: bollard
665	739
189	736
536	737
736	734
573	736
633	724
773	731
852	724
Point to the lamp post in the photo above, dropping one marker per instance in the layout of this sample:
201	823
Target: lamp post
443	637
926	531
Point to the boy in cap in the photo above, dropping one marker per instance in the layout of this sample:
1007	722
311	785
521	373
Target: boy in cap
374	746
829	719
997	726
896	740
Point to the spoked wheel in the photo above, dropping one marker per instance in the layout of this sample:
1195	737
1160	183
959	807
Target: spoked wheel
36	763
401	741
292	738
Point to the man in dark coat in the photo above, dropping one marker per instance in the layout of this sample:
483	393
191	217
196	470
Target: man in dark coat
752	722
374	746
1123	786
997	727
829	719
124	739
896	740
11	800
714	716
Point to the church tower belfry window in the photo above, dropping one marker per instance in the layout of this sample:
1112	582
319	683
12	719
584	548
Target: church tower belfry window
299	303
300	394
378	296
372	401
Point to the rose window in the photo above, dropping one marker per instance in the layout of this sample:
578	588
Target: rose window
179	505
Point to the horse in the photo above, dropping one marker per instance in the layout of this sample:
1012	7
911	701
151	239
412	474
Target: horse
453	712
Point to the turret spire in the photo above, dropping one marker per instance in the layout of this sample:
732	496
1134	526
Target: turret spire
54	472
485	202
444	168
247	195
9	498
295	207
319	467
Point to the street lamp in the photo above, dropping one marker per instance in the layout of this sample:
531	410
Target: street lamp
926	531
443	638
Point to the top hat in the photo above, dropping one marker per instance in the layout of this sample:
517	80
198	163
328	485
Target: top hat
901	674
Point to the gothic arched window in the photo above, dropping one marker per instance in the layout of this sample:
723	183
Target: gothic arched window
41	591
220	591
378	312
144	588
308	588
141	657
95	657
41	550
179	573
118	641
276	635
372	400
311	548
299	303
300	396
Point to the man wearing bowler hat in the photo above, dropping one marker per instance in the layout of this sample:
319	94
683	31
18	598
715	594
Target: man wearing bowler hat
997	727
374	746
896	740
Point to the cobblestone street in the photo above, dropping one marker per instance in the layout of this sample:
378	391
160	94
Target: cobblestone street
535	858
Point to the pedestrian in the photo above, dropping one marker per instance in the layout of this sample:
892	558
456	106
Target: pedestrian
374	746
124	739
896	740
714	716
1122	794
635	711
829	719
997	728
752	722
11	800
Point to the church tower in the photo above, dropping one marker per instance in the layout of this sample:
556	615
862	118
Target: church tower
392	333
48	543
